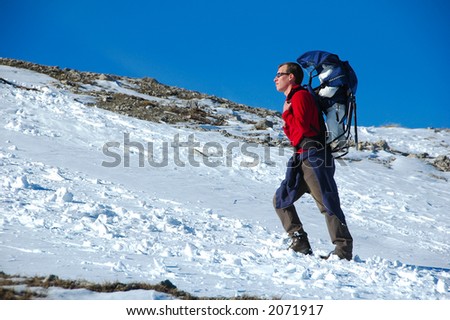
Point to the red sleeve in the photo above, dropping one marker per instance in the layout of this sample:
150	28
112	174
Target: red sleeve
301	117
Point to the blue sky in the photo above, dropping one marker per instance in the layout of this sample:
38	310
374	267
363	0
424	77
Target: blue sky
399	49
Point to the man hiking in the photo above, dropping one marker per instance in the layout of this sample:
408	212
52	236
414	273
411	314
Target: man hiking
311	168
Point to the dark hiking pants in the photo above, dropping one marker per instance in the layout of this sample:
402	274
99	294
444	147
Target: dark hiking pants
339	233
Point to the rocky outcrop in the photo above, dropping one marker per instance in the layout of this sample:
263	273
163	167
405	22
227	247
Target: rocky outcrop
136	106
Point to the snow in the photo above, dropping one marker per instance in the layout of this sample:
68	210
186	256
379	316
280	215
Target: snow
75	204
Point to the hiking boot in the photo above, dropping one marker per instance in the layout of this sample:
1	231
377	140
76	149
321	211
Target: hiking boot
300	243
343	255
340	254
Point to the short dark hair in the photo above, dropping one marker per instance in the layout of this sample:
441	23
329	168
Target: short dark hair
295	69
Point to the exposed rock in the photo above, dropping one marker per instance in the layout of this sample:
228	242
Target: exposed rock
442	163
185	111
423	155
263	124
374	146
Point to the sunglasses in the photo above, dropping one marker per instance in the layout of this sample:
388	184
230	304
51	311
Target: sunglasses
279	74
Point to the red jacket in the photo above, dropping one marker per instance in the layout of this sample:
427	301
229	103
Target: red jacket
302	118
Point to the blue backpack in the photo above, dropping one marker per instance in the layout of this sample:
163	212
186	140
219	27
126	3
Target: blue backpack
334	95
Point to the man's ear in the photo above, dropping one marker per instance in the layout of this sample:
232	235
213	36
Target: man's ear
291	78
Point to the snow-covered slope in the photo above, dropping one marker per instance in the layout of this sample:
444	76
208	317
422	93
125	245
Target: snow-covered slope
195	206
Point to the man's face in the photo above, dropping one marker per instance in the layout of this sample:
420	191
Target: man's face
282	79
